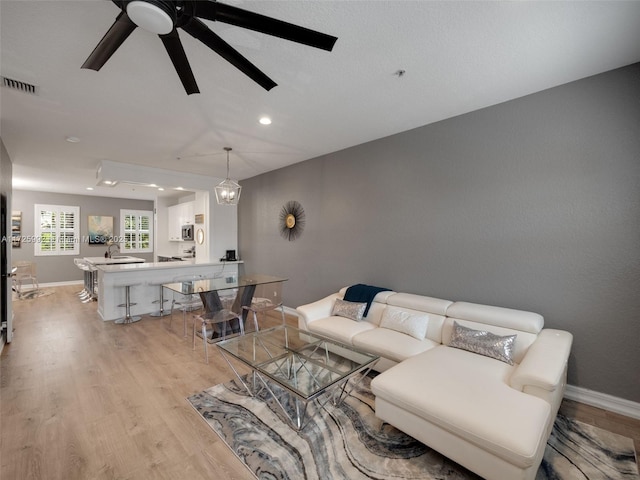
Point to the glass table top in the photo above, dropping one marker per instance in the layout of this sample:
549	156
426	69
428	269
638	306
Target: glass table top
224	282
304	363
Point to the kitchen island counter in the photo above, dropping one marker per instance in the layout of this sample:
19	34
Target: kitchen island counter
145	280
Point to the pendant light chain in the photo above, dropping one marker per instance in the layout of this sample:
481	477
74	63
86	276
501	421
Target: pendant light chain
228	149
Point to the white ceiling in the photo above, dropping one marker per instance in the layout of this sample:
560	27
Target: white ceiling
458	57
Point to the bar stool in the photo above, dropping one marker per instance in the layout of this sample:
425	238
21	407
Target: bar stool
161	312
86	293
81	264
128	318
93	282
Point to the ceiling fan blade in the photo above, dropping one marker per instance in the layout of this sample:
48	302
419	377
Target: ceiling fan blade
174	48
114	37
200	31
213	10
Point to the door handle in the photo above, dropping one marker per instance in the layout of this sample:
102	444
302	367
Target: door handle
12	274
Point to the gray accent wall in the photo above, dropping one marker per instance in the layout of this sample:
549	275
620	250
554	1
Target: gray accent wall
532	204
51	269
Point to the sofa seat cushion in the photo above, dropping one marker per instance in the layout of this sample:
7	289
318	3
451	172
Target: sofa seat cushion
390	344
468	395
339	328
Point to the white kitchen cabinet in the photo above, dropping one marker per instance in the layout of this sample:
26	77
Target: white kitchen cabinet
174	223
188	218
179	215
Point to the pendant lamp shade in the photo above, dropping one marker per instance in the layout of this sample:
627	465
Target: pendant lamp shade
228	191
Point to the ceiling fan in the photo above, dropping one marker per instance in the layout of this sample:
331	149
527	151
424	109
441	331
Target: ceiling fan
164	17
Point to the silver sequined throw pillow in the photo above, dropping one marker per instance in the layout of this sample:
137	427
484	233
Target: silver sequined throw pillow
352	310
483	343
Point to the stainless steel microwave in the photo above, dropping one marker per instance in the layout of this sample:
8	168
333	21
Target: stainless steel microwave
187	232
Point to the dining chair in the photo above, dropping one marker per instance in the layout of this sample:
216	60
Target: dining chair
214	327
24	272
266	297
188	301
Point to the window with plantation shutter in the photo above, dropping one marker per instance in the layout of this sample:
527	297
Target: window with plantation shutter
136	231
57	230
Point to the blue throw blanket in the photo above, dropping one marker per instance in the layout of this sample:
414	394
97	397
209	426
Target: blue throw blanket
363	293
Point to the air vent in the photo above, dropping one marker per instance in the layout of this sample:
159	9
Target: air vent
18	85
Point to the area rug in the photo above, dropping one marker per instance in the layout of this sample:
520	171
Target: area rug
348	442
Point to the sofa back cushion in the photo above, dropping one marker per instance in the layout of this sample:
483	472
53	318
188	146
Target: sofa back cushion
435	308
497	320
375	313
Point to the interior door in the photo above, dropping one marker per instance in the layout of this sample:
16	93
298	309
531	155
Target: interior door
5	252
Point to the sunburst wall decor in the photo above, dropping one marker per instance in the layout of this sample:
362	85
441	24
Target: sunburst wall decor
292	220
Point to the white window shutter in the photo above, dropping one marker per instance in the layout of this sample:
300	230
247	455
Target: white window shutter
136	227
57	230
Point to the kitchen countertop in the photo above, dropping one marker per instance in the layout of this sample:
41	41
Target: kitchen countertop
136	267
124	259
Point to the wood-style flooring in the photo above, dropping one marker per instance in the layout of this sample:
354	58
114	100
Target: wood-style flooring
85	399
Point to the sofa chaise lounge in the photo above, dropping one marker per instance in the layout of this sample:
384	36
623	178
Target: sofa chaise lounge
480	384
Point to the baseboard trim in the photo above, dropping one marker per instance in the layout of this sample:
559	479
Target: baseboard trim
61	284
604	401
290	311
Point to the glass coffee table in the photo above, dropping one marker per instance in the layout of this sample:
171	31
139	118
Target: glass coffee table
304	364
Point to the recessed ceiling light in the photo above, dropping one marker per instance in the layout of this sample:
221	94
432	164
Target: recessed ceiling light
72	139
179	188
265	120
89	188
161	189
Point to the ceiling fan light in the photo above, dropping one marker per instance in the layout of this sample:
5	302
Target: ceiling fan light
150	17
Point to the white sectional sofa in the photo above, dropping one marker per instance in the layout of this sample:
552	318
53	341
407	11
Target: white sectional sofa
488	415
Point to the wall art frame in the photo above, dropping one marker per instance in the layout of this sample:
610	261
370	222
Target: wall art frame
16	229
100	229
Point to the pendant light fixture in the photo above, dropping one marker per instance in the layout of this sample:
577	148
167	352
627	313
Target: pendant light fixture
228	191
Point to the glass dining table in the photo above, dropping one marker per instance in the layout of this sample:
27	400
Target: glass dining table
227	292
